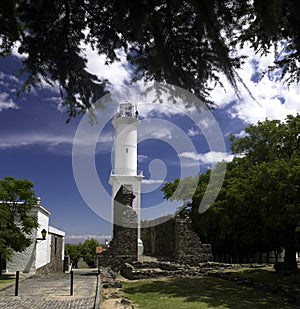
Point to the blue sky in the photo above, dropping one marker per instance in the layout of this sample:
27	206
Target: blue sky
36	143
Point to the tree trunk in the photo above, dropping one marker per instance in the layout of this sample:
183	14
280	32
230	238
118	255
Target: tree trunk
1	266
276	252
289	265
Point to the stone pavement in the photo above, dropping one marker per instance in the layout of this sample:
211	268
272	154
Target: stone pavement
52	291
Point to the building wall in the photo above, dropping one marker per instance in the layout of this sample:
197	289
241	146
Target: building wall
42	251
57	249
42	255
23	261
36	255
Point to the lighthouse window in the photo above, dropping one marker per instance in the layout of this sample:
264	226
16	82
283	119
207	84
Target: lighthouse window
126	150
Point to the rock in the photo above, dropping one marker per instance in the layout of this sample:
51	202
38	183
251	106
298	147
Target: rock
125	301
112	284
117	284
115	295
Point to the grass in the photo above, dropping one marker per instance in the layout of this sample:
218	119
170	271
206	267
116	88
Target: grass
268	274
198	293
5	281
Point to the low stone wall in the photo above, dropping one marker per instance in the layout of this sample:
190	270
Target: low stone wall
147	270
49	268
106	259
158	270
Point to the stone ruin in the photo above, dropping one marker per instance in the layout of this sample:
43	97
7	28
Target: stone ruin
171	239
124	242
123	247
166	238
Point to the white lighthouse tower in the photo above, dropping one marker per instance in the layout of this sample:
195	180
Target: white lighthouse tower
126	123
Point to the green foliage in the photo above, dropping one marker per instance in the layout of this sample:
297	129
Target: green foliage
74	251
258	207
184	43
16	221
87	251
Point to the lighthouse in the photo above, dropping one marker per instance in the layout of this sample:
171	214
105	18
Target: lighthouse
125	172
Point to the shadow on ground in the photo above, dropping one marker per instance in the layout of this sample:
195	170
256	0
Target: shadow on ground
189	292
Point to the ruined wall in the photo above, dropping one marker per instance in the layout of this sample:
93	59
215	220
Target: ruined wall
189	248
159	238
171	238
123	246
124	240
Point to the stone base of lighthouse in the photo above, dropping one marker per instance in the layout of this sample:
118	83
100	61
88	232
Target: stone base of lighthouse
124	247
125	229
126	191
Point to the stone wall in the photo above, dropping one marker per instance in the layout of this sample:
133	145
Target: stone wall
56	262
189	248
123	247
174	240
124	240
159	239
57	245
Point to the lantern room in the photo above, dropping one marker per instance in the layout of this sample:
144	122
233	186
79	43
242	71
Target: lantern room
127	109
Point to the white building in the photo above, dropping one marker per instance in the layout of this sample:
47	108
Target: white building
43	255
126	123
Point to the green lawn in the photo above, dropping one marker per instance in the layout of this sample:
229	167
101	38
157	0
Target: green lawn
200	293
268	274
4	282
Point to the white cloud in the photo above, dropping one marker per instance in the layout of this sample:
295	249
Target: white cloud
6	103
158	131
193	132
190	155
15	50
211	157
57	143
241	134
28	139
274	99
74	239
9	77
118	73
152	181
162	134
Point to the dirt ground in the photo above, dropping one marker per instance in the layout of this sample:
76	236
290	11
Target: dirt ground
110	299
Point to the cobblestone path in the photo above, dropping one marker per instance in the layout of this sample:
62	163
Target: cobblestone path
52	292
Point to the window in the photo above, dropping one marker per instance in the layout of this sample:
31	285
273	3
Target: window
55	245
